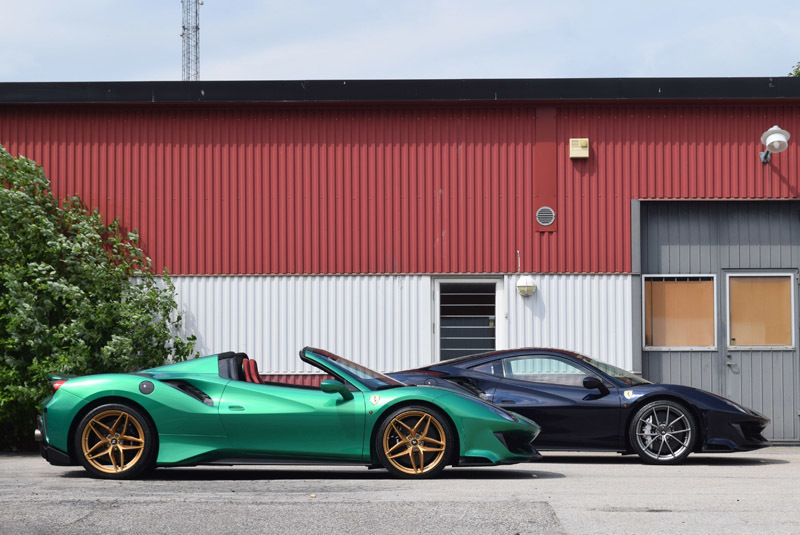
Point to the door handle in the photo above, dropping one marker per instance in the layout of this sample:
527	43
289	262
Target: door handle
730	364
235	408
508	401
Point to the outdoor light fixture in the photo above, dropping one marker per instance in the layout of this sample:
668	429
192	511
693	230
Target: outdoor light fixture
525	285
776	139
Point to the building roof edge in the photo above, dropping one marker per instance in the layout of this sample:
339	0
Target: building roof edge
376	91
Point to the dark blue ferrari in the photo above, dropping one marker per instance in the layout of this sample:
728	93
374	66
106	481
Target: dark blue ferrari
583	404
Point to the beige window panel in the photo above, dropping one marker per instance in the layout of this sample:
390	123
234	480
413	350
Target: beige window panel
679	311
760	310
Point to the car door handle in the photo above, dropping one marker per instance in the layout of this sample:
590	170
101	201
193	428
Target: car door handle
235	408
508	401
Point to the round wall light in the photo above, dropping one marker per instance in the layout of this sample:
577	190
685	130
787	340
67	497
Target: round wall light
776	140
525	285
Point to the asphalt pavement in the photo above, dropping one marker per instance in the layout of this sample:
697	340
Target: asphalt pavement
567	493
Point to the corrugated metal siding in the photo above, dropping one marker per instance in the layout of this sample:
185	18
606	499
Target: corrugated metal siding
588	314
769	382
703	237
715	238
658	152
386	322
289	191
700	369
308	379
382	322
390	188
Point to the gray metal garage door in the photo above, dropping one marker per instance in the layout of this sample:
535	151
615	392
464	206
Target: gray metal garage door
737	263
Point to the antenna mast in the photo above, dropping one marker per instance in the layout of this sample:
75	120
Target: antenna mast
191	39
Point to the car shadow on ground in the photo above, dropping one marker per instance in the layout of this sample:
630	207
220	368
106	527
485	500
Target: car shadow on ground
273	473
695	459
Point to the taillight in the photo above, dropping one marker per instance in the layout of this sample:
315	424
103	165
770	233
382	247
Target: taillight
57	384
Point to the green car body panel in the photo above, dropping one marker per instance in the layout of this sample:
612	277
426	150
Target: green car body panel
232	419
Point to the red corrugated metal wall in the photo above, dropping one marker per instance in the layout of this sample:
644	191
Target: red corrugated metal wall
310	379
392	189
297	191
659	152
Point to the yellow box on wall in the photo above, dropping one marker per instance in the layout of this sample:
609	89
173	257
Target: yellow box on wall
579	147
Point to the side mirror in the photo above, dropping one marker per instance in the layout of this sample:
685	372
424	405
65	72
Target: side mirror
331	386
591	383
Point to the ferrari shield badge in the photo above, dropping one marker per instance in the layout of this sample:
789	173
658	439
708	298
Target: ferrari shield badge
630	394
374	399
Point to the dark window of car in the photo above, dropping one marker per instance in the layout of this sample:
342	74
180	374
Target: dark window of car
544	369
492	368
617	373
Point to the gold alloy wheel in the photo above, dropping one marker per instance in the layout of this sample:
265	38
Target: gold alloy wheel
414	442
113	441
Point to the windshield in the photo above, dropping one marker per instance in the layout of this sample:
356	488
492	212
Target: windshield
617	373
370	378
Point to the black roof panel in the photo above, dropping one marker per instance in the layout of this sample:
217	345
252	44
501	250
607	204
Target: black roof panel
361	91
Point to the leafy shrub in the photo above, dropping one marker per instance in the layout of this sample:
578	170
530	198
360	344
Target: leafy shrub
76	296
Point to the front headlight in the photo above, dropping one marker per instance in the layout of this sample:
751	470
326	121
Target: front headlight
728	402
500	412
734	405
495	409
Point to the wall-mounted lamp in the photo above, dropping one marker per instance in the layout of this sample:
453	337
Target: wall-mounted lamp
525	285
776	139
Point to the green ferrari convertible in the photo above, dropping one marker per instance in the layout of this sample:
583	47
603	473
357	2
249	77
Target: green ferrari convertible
219	410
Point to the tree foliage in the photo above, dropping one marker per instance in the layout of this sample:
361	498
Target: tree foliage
77	296
795	70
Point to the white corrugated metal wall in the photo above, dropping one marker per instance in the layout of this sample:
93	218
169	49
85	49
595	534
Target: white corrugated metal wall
386	322
382	322
588	314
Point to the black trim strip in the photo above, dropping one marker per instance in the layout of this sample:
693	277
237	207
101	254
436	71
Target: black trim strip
474	90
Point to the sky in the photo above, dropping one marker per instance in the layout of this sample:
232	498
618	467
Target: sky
139	40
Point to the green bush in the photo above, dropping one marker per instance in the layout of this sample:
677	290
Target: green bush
76	296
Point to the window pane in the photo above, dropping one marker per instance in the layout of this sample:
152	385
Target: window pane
761	311
492	368
679	312
467	318
545	370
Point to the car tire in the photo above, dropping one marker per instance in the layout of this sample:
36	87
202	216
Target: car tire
663	432
414	442
115	441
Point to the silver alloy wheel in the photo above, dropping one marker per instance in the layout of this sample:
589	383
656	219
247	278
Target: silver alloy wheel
664	432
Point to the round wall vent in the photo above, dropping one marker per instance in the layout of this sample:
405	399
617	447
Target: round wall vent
545	216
